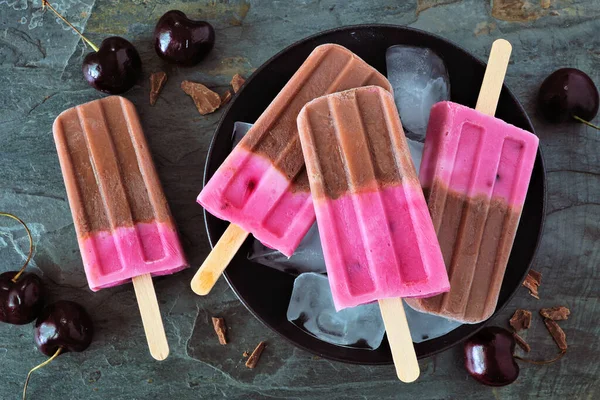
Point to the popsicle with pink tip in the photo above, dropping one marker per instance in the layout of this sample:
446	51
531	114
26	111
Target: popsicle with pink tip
475	172
124	226
377	236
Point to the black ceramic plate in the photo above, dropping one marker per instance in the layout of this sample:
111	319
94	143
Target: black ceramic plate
266	292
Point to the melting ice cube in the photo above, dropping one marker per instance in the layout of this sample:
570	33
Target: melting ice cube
311	307
308	256
420	79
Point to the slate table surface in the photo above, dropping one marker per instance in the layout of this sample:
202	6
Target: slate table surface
40	75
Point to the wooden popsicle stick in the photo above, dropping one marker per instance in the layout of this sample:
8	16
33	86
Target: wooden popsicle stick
218	259
494	77
151	318
401	344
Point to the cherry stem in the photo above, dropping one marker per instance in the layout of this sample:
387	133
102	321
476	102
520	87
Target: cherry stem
543	362
586	122
48	361
45	4
4	214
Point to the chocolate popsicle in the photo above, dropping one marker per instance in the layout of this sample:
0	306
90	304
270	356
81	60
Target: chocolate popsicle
475	173
124	226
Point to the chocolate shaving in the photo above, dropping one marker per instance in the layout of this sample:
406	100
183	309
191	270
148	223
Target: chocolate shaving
245	354
520	320
236	82
205	99
220	329
157	81
557	334
555	313
532	282
225	97
522	343
255	356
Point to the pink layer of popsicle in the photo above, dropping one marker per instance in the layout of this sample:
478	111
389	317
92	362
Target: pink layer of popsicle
474	154
259	200
112	258
376	246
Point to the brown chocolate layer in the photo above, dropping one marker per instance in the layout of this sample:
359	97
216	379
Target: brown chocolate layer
476	237
108	171
329	68
357	141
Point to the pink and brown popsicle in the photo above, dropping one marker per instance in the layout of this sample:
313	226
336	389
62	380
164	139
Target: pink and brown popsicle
124	227
376	232
475	173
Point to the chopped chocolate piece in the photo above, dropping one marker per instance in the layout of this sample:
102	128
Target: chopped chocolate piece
537	276
255	356
205	99
157	81
520	320
557	333
220	329
522	343
225	97
236	82
246	354
532	282
555	313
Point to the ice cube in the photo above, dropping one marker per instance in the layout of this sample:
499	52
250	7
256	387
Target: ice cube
425	327
239	131
311	308
308	257
416	152
420	79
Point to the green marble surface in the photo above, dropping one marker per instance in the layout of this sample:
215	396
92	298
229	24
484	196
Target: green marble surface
40	76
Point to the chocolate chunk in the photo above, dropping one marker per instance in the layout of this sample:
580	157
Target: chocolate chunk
220	329
537	276
157	81
205	99
255	356
555	313
521	342
225	97
520	320
557	333
236	82
532	282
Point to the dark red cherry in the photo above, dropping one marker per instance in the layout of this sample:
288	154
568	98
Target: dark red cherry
63	325
566	94
182	41
114	68
20	301
489	356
